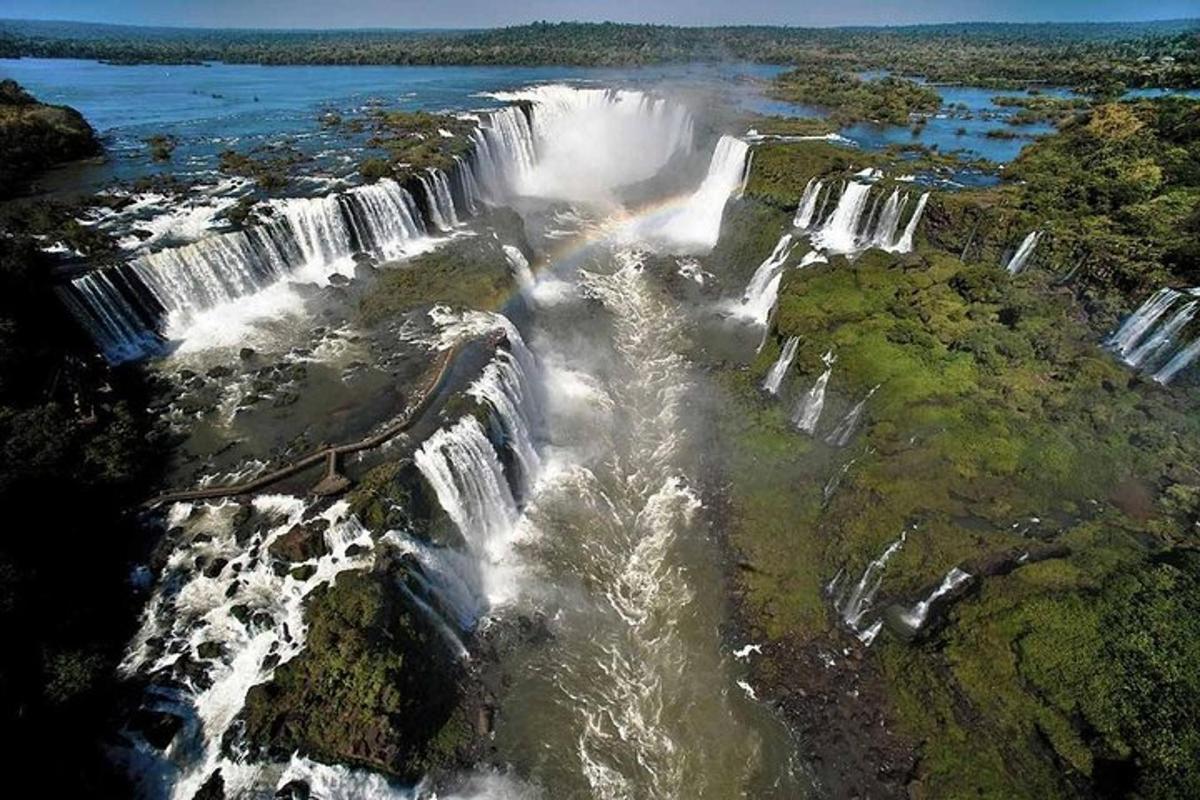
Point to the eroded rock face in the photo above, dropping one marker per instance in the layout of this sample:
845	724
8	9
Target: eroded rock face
34	136
375	686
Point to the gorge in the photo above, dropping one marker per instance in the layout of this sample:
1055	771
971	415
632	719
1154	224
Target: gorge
568	437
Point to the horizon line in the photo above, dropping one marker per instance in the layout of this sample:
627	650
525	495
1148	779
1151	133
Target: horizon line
778	26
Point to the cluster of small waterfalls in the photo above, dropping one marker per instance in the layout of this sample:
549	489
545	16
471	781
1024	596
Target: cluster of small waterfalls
1151	339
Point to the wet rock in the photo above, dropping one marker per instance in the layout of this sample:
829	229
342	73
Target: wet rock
156	727
213	788
248	400
355	550
210	650
246	353
304	572
285	398
294	790
241	613
303	542
219	371
215	568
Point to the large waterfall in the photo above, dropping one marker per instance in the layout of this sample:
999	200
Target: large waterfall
127	307
627	136
462	464
693	225
1150	339
527	149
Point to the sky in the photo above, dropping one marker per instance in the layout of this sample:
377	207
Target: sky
491	13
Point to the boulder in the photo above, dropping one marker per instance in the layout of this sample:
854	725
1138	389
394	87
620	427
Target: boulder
303	542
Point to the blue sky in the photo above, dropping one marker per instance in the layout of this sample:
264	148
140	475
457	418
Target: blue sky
488	13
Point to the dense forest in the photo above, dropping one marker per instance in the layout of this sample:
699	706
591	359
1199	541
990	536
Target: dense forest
1077	54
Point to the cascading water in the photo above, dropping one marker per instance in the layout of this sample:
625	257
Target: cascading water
628	136
808	411
520	266
841	435
914	618
888	221
854	607
759	298
839	234
439	199
220	621
1178	362
462	467
808	205
905	245
851	229
779	369
1024	251
1148	339
693	226
307	237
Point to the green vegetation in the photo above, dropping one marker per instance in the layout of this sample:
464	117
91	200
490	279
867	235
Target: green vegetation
999	426
34	136
470	273
1000	55
161	146
1117	191
415	140
271	166
851	99
375	686
77	453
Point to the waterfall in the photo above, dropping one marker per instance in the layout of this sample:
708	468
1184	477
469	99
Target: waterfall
122	326
914	617
462	467
626	136
1017	262
905	245
1179	362
695	224
889	219
504	151
856	606
520	266
840	436
1158	342
1133	329
125	307
780	367
505	387
759	297
1145	340
808	205
839	234
465	177
808	411
439	199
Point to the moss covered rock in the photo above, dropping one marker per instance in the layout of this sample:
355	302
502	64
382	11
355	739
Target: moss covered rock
375	686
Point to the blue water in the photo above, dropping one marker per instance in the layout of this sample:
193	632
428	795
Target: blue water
214	107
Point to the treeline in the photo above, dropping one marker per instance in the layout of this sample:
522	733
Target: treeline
1136	54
